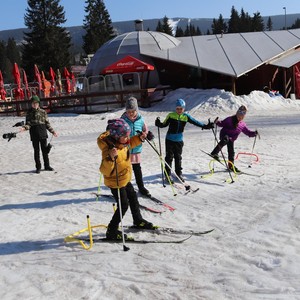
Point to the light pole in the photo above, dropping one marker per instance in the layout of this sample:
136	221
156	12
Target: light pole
284	17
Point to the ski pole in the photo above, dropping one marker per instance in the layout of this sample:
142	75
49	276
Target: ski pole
125	248
227	164
99	187
186	186
162	168
166	174
254	142
215	143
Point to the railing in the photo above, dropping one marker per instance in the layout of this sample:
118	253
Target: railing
88	102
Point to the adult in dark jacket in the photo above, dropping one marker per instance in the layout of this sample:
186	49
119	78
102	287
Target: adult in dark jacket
37	123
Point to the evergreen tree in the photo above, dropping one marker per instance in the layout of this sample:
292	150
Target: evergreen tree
13	52
179	32
9	54
269	24
98	26
187	31
245	22
296	24
2	55
47	44
159	27
12	56
4	62
192	31
234	21
198	31
219	26
166	26
257	22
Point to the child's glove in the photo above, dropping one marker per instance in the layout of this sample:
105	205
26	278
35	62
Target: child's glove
19	124
208	126
158	122
150	136
142	135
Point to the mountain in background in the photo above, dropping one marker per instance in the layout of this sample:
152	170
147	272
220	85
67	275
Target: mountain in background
204	25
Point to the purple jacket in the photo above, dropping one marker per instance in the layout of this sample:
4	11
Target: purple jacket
232	130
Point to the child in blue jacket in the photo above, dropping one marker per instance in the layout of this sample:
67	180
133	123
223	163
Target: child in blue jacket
137	124
174	138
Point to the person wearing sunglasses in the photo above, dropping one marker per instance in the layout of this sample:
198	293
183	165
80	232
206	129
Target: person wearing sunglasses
232	126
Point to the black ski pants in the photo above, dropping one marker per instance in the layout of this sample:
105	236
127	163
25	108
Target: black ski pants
230	148
174	151
137	170
128	198
37	144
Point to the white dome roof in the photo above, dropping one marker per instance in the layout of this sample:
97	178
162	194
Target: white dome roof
131	43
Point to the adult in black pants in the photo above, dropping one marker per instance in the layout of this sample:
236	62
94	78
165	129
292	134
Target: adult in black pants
37	123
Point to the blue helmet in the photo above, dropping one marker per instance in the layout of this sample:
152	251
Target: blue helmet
180	103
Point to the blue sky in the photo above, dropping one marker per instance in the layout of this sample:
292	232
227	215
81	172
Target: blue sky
121	10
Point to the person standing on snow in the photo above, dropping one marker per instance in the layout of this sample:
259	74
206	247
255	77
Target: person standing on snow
174	138
115	145
231	128
137	124
37	123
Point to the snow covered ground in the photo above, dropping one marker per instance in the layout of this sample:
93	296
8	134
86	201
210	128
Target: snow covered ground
253	253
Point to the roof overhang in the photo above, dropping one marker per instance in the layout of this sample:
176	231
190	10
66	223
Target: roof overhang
287	60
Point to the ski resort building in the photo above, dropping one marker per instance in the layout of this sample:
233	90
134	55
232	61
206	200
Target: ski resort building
237	62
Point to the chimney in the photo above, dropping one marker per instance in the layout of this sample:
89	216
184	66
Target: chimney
139	25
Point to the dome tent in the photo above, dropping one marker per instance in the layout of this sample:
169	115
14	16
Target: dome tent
131	43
